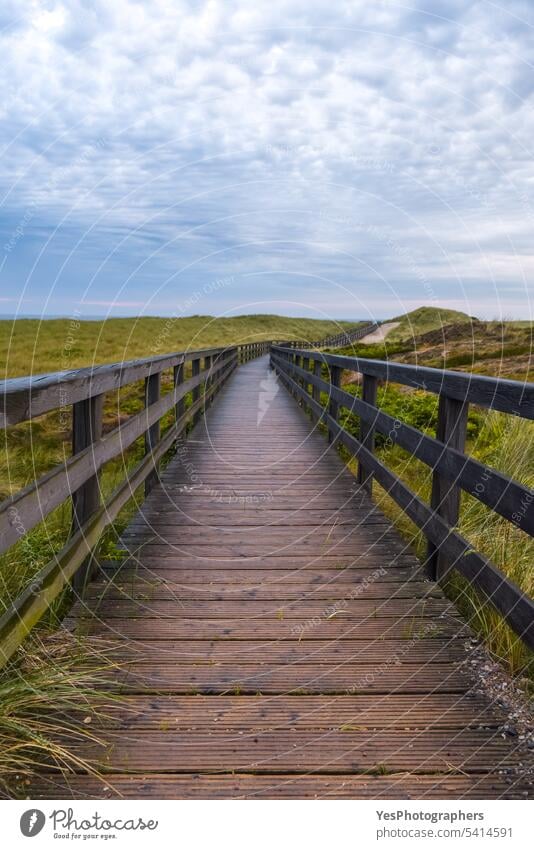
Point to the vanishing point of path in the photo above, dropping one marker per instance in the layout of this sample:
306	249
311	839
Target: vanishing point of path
276	638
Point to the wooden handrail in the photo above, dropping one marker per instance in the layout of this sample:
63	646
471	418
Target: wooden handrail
507	396
339	340
452	468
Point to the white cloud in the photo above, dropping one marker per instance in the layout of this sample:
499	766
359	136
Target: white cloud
204	139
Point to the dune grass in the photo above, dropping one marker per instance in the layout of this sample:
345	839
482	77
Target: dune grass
423	320
30	346
51	698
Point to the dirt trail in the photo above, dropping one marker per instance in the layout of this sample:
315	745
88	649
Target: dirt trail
380	334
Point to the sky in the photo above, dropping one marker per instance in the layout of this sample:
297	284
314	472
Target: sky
348	159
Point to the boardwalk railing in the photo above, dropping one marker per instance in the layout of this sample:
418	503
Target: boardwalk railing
340	340
80	394
453	471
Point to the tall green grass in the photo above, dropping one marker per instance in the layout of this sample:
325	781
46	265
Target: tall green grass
52	697
32	346
505	443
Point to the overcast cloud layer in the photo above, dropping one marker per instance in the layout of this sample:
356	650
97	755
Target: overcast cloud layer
176	158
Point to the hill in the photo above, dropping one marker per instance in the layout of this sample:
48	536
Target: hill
423	320
35	346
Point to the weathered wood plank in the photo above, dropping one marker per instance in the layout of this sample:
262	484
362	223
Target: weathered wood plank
298	713
465	751
402	785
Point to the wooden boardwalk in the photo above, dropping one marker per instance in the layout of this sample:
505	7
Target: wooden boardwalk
275	636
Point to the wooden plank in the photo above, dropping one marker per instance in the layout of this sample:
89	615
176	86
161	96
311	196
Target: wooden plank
195	365
333	406
326	752
219	577
351	678
298	713
178	379
351	609
402	785
293	651
144	589
408	628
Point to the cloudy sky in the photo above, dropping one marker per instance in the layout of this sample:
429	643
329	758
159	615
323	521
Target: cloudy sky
348	159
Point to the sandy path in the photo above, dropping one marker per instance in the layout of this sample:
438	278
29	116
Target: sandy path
380	334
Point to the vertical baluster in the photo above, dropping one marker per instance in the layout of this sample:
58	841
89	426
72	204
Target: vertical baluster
305	384
333	406
195	370
445	500
152	434
179	407
367	431
208	381
86	429
316	392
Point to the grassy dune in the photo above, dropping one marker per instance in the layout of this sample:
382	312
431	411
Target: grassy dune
33	346
424	319
494	348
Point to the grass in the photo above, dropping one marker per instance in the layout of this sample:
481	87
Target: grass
52	684
30	346
424	319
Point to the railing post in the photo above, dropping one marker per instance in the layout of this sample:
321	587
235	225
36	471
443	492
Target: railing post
316	392
445	501
333	406
296	362
367	431
195	371
305	384
207	382
179	407
152	434
86	429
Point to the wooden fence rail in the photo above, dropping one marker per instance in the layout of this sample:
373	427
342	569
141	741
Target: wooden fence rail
80	394
453	470
339	340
